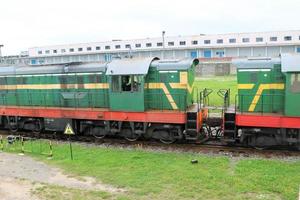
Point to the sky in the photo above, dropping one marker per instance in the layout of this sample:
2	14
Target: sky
32	23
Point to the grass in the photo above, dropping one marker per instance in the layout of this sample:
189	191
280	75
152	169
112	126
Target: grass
167	175
216	83
51	192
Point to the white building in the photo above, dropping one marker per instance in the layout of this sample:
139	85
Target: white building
260	44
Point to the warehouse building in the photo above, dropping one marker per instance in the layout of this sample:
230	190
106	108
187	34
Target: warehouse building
210	47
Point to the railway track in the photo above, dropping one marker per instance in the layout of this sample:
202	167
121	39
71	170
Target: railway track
212	147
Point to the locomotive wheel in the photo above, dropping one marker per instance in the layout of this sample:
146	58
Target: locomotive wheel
166	137
37	126
98	132
130	135
12	123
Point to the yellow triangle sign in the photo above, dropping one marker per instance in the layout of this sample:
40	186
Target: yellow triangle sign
69	130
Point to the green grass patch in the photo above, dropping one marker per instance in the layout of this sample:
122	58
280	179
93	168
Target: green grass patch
51	192
215	83
167	175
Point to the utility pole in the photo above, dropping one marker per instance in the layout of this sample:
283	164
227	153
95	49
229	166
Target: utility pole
163	39
1	45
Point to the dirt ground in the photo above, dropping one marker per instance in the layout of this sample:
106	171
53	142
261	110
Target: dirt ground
20	175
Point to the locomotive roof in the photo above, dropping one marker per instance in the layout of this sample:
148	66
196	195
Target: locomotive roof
256	63
131	66
290	62
53	69
174	64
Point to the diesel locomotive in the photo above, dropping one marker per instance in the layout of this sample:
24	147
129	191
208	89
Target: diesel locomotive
153	98
130	98
267	108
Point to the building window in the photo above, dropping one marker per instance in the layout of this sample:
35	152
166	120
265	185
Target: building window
220	53
259	39
207	54
206	41
71	50
127	46
98	48
232	40
159	44
182	43
220	41
40	52
54	51
118	46
273	39
288	38
194	42
89	48
63	50
246	40
298	49
47	51
138	45
107	47
170	43
148	44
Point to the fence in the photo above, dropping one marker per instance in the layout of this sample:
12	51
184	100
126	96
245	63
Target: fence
24	145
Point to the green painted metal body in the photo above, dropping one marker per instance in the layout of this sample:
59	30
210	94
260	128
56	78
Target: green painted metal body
158	90
261	97
292	94
56	91
127	100
159	93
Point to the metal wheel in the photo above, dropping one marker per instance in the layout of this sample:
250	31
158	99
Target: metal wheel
37	126
12	123
166	137
130	135
98	132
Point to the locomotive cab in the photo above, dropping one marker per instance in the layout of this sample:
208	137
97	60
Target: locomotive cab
126	79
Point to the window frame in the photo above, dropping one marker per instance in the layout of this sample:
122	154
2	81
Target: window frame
232	40
220	41
246	40
207	41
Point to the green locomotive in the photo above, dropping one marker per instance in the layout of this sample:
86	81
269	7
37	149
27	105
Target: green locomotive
268	108
130	97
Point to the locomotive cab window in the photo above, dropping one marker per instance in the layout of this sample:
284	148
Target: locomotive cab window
131	83
126	83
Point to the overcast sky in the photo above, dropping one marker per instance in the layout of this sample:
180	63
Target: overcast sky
29	23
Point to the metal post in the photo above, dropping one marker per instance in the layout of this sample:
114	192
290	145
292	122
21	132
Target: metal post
51	151
1	45
163	39
71	150
1	142
22	145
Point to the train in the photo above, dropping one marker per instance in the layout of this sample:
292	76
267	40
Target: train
154	99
